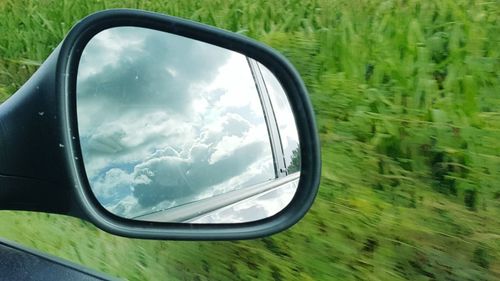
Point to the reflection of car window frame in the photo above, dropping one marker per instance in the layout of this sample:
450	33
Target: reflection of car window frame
270	117
284	119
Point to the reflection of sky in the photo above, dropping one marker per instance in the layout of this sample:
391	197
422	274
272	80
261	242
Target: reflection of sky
164	120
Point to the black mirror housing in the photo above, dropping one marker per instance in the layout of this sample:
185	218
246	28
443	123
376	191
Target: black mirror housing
41	164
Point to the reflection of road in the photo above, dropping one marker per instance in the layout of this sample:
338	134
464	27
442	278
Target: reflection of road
248	204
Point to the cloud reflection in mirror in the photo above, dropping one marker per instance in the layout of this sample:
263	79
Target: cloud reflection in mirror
166	120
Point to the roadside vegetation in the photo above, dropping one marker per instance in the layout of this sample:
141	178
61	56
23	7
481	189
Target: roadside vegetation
407	100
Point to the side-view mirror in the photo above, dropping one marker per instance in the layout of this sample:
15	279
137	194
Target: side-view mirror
151	126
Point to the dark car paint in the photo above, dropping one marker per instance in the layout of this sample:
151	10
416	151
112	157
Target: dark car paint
20	263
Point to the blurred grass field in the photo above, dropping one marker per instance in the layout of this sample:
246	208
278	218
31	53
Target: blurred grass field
407	99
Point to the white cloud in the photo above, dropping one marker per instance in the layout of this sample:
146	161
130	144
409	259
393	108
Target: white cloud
112	183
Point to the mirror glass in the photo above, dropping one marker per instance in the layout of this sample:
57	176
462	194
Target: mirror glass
177	130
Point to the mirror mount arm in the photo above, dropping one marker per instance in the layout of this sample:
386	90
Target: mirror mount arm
31	175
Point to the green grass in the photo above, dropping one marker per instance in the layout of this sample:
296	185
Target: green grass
407	99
